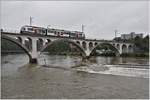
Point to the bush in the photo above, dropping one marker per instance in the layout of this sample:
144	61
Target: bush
134	55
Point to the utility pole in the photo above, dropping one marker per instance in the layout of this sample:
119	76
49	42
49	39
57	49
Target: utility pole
31	20
47	28
82	28
116	31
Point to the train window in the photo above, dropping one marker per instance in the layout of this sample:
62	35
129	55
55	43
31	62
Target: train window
43	31
73	34
23	29
37	31
80	34
49	31
30	29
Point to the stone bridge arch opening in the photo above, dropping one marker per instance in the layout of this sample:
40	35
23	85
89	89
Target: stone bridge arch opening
124	48
16	42
84	45
28	43
90	45
95	43
105	49
78	42
130	49
19	39
71	43
118	46
47	41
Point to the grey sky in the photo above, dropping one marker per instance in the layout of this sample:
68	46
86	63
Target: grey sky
100	18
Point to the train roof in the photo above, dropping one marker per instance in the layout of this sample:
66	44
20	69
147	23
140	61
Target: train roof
33	26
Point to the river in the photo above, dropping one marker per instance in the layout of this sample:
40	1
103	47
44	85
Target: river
65	77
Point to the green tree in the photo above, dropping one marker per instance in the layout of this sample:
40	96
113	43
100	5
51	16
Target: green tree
142	44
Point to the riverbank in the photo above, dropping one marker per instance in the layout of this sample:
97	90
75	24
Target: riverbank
135	55
146	55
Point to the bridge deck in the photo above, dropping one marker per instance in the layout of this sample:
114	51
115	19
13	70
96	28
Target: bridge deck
50	36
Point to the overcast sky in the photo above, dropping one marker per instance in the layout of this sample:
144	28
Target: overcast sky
100	18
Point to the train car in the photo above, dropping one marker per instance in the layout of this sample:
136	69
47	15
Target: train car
33	30
57	32
79	34
66	33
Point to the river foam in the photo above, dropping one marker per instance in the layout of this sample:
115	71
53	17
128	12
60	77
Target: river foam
113	70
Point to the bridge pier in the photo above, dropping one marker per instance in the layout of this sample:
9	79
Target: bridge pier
85	59
33	61
87	55
34	52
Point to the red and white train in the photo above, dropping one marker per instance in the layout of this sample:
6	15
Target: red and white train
34	30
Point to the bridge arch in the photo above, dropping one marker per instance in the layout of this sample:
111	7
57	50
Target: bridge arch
124	48
130	49
95	43
114	44
90	45
118	46
28	43
84	45
66	40
111	45
19	39
48	41
78	42
19	44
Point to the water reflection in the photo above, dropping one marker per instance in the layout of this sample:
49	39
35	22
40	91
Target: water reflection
10	65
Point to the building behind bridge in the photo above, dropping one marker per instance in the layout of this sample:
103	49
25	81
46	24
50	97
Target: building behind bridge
132	35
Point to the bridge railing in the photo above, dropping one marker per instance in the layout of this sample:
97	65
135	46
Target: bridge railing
9	31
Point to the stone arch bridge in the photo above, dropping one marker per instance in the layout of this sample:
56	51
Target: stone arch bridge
34	45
